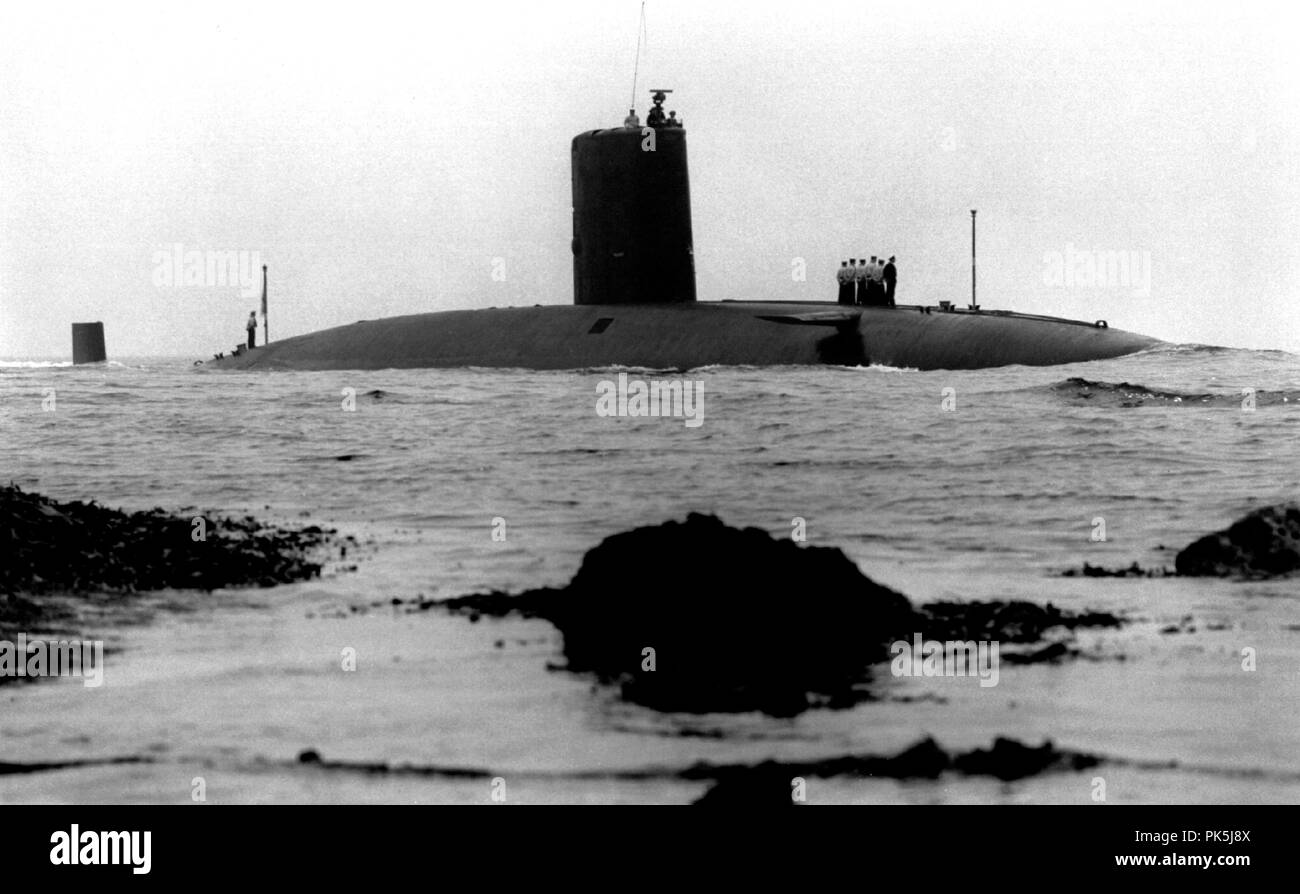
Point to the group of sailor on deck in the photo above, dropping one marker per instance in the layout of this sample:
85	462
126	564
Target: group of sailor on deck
870	283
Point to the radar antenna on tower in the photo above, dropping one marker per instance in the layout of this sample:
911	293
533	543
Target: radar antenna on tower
656	116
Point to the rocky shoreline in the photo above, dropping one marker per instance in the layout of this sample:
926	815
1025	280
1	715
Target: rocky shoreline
58	549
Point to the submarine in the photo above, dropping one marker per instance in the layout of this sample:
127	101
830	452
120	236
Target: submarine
634	301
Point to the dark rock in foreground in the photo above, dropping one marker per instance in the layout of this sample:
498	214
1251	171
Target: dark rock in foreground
53	547
8	768
1265	543
1005	622
19	613
740	621
1134	570
771	783
766	785
1008	760
735	618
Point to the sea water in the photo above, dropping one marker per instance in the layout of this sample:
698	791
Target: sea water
971	485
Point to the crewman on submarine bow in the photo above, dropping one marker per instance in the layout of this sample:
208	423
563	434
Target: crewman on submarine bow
844	277
891	281
859	280
251	326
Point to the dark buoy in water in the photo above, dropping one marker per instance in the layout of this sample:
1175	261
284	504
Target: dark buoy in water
632	240
88	343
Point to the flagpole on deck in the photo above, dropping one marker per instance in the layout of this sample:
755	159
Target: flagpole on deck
266	324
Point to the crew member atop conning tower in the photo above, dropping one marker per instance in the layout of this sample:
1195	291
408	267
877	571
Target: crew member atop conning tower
656	117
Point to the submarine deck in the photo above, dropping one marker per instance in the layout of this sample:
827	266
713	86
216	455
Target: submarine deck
695	334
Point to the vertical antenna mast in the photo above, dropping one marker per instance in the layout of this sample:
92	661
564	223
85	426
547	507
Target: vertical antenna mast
266	323
640	31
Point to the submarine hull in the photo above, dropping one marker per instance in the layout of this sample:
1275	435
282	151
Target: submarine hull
696	334
634	300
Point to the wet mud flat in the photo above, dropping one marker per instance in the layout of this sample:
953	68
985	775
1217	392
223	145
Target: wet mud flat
740	621
726	613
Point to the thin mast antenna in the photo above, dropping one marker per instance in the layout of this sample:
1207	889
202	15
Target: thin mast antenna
266	322
640	31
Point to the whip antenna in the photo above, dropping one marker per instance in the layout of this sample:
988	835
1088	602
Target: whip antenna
640	32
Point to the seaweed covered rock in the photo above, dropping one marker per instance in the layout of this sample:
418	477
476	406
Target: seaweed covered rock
1009	759
770	783
81	547
1265	543
1133	570
19	614
699	617
765	785
735	619
1006	622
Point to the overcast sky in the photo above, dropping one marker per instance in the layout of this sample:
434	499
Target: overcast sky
380	158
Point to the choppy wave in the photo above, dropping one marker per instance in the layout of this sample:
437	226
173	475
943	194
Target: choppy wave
1201	349
878	367
34	364
68	364
1129	394
1189	348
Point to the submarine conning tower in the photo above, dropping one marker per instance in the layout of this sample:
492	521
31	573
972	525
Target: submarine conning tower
632	239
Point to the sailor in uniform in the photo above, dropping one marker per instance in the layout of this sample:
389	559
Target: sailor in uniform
868	284
845	278
890	275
